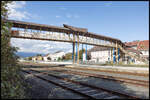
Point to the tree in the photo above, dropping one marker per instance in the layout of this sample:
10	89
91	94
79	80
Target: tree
68	56
29	58
11	84
39	55
59	59
49	58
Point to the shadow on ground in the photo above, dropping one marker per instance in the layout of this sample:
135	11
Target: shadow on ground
41	89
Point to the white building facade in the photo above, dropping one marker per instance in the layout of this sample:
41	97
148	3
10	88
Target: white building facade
101	55
54	56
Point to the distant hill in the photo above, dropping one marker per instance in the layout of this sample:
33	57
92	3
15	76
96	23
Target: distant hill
26	54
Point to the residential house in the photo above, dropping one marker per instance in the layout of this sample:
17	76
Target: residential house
100	54
34	59
54	56
141	46
37	58
104	54
47	57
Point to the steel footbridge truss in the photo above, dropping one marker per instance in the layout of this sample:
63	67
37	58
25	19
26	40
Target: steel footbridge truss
67	33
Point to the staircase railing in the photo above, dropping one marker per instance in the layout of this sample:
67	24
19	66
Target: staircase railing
137	57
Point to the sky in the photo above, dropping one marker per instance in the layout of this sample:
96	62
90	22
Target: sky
124	20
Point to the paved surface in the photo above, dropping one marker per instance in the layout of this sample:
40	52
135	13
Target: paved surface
112	74
115	67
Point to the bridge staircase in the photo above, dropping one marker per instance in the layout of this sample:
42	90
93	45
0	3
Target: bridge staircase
137	57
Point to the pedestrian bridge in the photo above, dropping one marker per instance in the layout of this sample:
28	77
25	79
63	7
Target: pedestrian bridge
28	30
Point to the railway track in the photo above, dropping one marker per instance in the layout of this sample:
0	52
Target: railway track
83	89
117	79
117	72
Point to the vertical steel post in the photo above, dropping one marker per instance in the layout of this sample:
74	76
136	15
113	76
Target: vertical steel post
114	55
116	52
74	48
111	55
78	49
73	51
118	55
86	51
82	53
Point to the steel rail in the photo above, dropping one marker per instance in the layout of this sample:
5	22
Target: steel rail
118	79
99	70
88	85
64	87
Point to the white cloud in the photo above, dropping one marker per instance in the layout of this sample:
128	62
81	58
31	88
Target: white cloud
58	16
39	46
72	16
68	15
15	11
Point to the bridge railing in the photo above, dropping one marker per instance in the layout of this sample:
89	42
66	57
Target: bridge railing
61	37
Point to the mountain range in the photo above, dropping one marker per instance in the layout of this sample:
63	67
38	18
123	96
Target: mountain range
26	54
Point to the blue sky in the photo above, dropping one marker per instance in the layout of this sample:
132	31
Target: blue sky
124	20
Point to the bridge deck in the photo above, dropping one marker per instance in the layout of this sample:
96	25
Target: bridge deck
43	27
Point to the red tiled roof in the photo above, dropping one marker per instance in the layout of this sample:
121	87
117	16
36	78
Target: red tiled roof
143	45
131	43
133	50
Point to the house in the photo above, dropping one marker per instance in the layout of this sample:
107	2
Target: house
34	59
104	54
141	46
100	54
47	57
54	56
37	58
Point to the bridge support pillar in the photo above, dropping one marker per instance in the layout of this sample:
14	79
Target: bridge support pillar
114	56
82	53
73	52
78	49
111	55
116	52
74	58
76	52
86	52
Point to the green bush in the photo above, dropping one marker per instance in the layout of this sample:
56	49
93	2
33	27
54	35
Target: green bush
11	82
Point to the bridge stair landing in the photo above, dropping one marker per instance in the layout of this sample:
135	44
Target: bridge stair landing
135	56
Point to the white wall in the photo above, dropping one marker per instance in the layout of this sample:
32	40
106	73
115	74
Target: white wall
144	52
101	56
57	55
